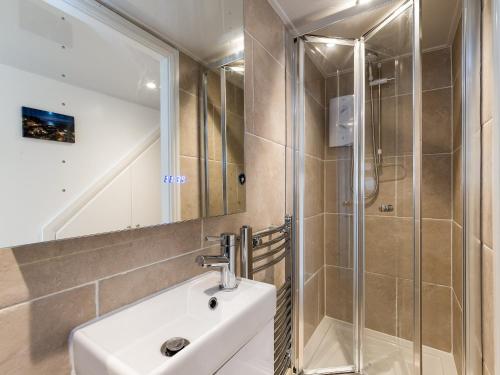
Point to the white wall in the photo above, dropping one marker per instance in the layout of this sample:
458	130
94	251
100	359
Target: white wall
32	172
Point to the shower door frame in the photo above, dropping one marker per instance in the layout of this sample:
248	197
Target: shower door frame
298	93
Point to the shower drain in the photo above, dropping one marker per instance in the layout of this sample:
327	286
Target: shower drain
173	346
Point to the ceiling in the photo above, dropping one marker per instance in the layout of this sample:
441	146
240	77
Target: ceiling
207	30
345	19
41	39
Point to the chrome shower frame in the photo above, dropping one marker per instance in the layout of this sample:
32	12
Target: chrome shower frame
358	191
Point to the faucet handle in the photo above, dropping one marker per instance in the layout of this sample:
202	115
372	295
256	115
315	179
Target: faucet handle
213	238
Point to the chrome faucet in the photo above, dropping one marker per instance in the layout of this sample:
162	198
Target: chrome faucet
226	262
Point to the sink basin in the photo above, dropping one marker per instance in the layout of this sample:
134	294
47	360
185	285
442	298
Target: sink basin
128	342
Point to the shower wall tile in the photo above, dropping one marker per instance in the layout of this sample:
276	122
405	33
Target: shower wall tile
381	303
311	298
191	207
338	191
249	90
436	69
457	112
437	121
315	127
314	244
436	186
314	190
436	251
457	187
388	131
269	96
436	316
339	282
266	27
404	75
387	187
457	334
314	81
456	52
405	309
338	238
457	266
384	243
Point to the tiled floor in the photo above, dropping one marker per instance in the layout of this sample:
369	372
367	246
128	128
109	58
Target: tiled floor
331	346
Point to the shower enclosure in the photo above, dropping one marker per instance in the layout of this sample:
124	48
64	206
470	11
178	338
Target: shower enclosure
382	212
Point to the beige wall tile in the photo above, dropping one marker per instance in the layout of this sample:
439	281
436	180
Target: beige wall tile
35	334
314	127
313	200
405	309
338	238
456	52
488	312
457	334
405	125
437	121
191	194
123	289
189	124
269	98
436	251
314	81
436	186
249	77
189	74
388	131
387	187
339	283
311	312
457	112
384	243
436	316
265	25
436	69
457	266
380	303
21	283
338	193
314	244
457	187
404	187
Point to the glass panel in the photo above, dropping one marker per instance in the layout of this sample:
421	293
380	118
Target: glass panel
329	111
389	199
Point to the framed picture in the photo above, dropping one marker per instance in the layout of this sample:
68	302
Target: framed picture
49	126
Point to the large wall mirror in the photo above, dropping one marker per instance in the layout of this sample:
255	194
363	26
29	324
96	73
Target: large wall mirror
106	127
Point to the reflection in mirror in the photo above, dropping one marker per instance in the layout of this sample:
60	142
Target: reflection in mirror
224	107
103	124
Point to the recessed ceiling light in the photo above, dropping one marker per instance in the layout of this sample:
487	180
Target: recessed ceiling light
151	85
237	69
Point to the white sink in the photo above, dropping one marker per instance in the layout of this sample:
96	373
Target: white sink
128	341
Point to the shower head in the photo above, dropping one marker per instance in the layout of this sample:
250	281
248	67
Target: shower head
371	57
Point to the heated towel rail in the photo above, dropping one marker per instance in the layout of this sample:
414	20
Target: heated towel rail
259	252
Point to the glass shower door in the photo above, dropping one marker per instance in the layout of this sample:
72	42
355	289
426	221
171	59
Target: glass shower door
388	168
357	170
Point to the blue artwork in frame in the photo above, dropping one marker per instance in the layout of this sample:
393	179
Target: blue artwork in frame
47	125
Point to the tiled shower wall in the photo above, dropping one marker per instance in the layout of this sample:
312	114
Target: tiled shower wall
48	289
389	235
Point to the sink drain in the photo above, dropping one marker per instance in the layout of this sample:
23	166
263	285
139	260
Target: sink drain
173	346
212	303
